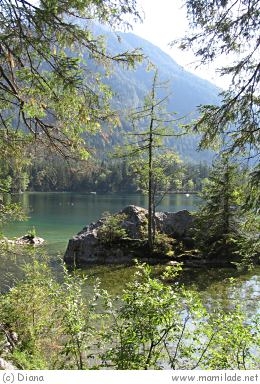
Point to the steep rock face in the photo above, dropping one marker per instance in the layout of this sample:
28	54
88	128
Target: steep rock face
87	248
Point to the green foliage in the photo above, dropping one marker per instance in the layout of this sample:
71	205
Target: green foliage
253	187
111	230
155	323
232	349
163	244
228	28
165	326
29	309
47	87
13	175
5	184
14	161
77	324
151	124
168	173
249	243
54	320
49	172
11	212
222	227
32	232
218	218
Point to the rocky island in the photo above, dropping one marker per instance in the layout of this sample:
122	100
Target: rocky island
121	238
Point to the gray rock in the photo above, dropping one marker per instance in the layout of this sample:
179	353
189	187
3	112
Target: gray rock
6	365
86	247
28	239
136	221
176	224
25	240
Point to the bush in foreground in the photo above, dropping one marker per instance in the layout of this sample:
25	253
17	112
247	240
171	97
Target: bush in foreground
152	325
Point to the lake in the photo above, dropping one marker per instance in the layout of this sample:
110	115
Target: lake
58	216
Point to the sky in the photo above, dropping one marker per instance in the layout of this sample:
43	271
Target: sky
164	21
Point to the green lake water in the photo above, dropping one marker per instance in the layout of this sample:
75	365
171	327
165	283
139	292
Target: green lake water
58	216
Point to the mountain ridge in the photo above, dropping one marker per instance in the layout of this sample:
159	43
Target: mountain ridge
186	90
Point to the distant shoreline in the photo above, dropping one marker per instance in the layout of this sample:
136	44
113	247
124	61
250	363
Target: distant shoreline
109	193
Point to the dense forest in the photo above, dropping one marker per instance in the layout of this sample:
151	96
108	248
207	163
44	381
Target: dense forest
49	172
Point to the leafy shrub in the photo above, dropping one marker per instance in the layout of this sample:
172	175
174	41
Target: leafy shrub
163	244
161	326
52	319
112	230
152	325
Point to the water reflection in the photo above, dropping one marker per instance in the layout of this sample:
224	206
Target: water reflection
219	287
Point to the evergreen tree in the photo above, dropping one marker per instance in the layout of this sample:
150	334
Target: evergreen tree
219	220
151	124
47	85
228	28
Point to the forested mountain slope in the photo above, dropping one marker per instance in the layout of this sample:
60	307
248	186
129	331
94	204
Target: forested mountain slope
186	91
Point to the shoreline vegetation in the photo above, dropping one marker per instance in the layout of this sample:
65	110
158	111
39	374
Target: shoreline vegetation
186	192
154	323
